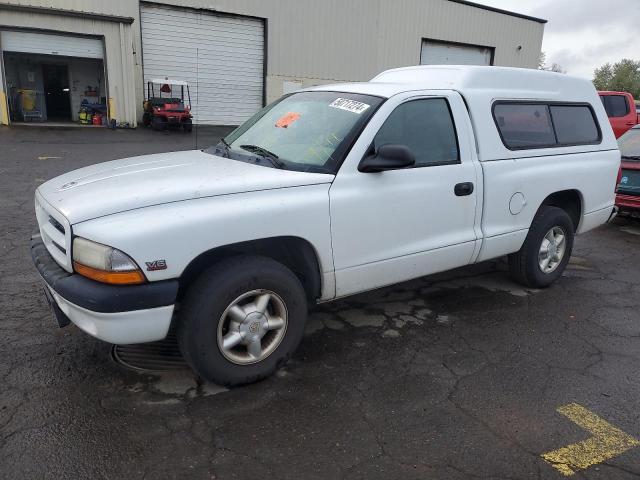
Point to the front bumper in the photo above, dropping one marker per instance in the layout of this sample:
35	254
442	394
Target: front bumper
120	314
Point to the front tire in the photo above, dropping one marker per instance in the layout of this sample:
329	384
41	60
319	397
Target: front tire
241	320
158	124
546	250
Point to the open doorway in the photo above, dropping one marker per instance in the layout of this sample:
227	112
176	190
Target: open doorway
54	89
57	93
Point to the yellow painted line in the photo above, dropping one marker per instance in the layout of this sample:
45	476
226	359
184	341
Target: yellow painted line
607	442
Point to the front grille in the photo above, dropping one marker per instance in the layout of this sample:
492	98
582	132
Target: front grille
58	226
55	232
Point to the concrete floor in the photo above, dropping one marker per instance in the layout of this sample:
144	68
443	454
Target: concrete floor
451	377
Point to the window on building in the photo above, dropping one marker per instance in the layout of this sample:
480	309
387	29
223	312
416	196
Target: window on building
426	127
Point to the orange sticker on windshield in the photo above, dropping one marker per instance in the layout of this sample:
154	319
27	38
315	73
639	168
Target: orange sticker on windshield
287	119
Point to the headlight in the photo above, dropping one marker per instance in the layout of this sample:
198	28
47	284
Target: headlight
104	264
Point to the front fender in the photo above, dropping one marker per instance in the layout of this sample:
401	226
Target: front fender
178	232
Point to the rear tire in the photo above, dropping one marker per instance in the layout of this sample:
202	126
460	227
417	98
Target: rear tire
187	125
546	250
221	323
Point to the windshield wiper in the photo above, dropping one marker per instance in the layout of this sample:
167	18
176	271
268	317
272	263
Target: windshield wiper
223	145
264	153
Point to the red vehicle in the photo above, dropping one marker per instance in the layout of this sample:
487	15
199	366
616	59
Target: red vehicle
621	110
163	108
628	190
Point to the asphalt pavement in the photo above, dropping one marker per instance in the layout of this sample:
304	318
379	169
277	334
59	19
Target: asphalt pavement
461	375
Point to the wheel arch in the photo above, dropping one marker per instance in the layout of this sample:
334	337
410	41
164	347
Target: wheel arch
295	253
571	201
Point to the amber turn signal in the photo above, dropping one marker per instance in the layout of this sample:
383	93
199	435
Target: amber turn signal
132	277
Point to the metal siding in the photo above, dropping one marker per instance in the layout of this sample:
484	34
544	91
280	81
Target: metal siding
47	44
222	58
125	8
452	22
374	35
439	53
336	40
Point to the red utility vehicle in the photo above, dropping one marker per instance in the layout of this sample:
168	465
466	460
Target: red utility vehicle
621	110
628	190
163	108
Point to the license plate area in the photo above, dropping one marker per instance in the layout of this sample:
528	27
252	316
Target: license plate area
630	182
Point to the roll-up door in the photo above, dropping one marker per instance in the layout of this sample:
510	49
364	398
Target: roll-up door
221	56
51	44
443	53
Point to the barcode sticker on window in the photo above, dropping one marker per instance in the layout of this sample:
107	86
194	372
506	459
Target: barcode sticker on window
349	105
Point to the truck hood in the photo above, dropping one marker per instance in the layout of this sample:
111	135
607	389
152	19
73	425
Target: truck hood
136	182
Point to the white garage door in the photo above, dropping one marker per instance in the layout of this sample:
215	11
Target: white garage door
51	44
441	53
222	58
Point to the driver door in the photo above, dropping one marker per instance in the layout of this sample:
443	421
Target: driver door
400	224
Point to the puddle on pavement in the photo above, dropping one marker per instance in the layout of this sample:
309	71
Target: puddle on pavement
578	263
631	230
392	312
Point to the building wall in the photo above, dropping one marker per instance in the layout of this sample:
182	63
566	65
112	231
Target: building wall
327	41
353	40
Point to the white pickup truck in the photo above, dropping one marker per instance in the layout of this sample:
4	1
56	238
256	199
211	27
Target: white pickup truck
326	193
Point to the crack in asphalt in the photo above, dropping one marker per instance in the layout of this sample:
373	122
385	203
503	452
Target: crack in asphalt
471	336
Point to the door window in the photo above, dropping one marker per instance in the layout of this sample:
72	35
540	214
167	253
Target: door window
426	127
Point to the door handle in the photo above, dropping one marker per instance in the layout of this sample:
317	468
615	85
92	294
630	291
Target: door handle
630	124
463	189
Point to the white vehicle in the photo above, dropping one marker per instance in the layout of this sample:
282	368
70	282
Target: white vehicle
326	193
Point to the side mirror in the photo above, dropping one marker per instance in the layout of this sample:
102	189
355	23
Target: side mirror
388	157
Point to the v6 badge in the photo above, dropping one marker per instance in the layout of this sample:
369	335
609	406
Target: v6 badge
156	265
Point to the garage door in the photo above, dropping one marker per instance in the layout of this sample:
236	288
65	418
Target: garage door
50	44
442	53
222	58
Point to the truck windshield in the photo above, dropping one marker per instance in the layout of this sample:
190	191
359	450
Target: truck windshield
630	144
306	131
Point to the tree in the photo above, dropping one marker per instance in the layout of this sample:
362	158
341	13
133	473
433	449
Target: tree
555	67
542	61
623	76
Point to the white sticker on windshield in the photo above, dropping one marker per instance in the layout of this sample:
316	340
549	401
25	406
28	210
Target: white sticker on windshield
349	105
